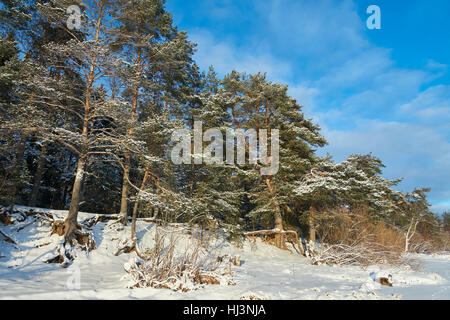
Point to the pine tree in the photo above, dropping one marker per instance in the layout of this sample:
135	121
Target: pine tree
156	56
216	187
77	95
350	184
255	103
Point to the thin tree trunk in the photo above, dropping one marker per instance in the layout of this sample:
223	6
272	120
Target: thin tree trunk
135	208
70	223
410	233
18	163
124	198
312	230
43	154
127	164
192	172
38	176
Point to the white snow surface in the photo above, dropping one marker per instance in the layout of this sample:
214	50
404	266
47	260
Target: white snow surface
266	271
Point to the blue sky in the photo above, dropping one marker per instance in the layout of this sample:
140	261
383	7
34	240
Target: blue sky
383	91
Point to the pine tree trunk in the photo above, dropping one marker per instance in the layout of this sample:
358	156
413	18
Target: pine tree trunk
312	230
127	165
18	163
280	239
124	199
70	223
135	208
38	176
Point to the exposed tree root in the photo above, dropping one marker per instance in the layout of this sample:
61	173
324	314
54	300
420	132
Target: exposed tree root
38	214
132	248
105	217
7	238
158	222
5	218
58	259
58	227
127	249
78	239
278	238
42	245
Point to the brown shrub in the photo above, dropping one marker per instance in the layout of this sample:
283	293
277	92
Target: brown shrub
354	238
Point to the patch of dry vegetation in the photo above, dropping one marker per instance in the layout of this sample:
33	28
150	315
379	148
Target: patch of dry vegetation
354	239
165	266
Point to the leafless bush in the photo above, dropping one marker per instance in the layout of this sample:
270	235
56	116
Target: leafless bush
163	267
436	243
354	239
364	253
421	246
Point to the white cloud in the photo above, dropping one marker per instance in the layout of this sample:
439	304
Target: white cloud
386	90
320	49
305	96
363	67
440	207
326	30
417	153
434	66
226	56
433	102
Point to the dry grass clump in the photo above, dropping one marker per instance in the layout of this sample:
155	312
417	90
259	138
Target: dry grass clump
165	267
354	239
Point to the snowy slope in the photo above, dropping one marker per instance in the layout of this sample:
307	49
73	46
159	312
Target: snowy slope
266	272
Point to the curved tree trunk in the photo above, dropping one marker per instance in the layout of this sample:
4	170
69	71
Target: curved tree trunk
70	224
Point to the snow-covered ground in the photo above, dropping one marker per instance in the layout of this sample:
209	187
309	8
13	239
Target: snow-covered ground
266	271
